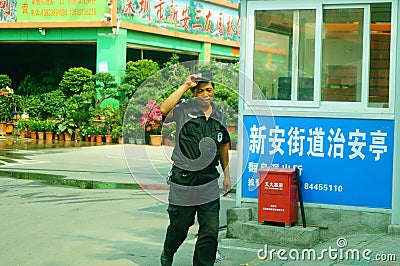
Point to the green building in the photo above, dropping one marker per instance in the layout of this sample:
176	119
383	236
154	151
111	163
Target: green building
37	35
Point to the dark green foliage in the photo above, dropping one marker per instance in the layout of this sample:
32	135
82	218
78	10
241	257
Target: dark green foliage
33	106
77	80
44	82
136	73
53	104
5	81
106	87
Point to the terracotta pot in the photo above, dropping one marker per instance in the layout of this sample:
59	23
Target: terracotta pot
33	135
108	138
61	136
67	137
93	138
231	128
22	133
99	138
3	128
49	135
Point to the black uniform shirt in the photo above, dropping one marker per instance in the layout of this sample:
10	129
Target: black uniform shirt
198	139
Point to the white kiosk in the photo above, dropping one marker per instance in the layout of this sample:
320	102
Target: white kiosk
321	93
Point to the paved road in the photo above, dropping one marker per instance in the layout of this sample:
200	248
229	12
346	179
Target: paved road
53	225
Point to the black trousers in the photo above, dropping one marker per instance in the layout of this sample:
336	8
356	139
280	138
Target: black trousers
181	218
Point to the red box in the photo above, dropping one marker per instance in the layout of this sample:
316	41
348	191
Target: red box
277	195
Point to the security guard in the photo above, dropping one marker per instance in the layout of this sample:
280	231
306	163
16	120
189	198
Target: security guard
202	142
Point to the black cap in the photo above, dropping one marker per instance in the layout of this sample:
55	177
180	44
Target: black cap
204	75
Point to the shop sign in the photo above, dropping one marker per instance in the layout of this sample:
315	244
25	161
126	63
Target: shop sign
196	17
341	161
53	10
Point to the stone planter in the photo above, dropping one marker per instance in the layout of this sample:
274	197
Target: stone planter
40	135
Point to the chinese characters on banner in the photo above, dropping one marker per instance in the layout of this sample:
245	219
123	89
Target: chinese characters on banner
296	138
60	10
194	17
341	161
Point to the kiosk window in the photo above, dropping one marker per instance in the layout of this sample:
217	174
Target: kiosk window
342	47
284	55
299	60
380	34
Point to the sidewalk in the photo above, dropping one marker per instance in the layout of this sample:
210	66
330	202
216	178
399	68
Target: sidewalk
52	225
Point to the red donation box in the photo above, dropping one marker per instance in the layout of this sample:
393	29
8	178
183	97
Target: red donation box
277	195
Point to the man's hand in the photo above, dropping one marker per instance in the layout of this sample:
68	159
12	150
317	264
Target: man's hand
227	185
191	81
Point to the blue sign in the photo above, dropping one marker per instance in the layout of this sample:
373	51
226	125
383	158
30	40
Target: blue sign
341	161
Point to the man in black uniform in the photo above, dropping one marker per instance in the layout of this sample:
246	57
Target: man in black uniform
202	142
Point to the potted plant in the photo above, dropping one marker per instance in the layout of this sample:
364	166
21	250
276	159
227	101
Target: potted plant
117	133
99	132
48	126
234	139
4	114
91	133
22	126
128	133
33	127
40	129
152	122
67	127
168	132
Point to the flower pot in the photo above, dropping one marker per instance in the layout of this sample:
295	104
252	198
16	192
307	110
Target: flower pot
22	133
67	137
156	140
61	136
140	141
120	140
9	128
99	138
108	138
231	128
93	138
132	140
3	128
33	135
40	135
49	135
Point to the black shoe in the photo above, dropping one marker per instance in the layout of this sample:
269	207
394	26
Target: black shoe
165	259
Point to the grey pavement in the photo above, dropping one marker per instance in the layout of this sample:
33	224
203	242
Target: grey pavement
55	225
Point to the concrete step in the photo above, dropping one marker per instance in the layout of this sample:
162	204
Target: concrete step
241	225
295	236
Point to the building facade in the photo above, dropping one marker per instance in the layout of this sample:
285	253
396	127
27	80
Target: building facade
104	35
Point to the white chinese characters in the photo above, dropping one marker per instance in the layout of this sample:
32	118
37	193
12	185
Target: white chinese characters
316	142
